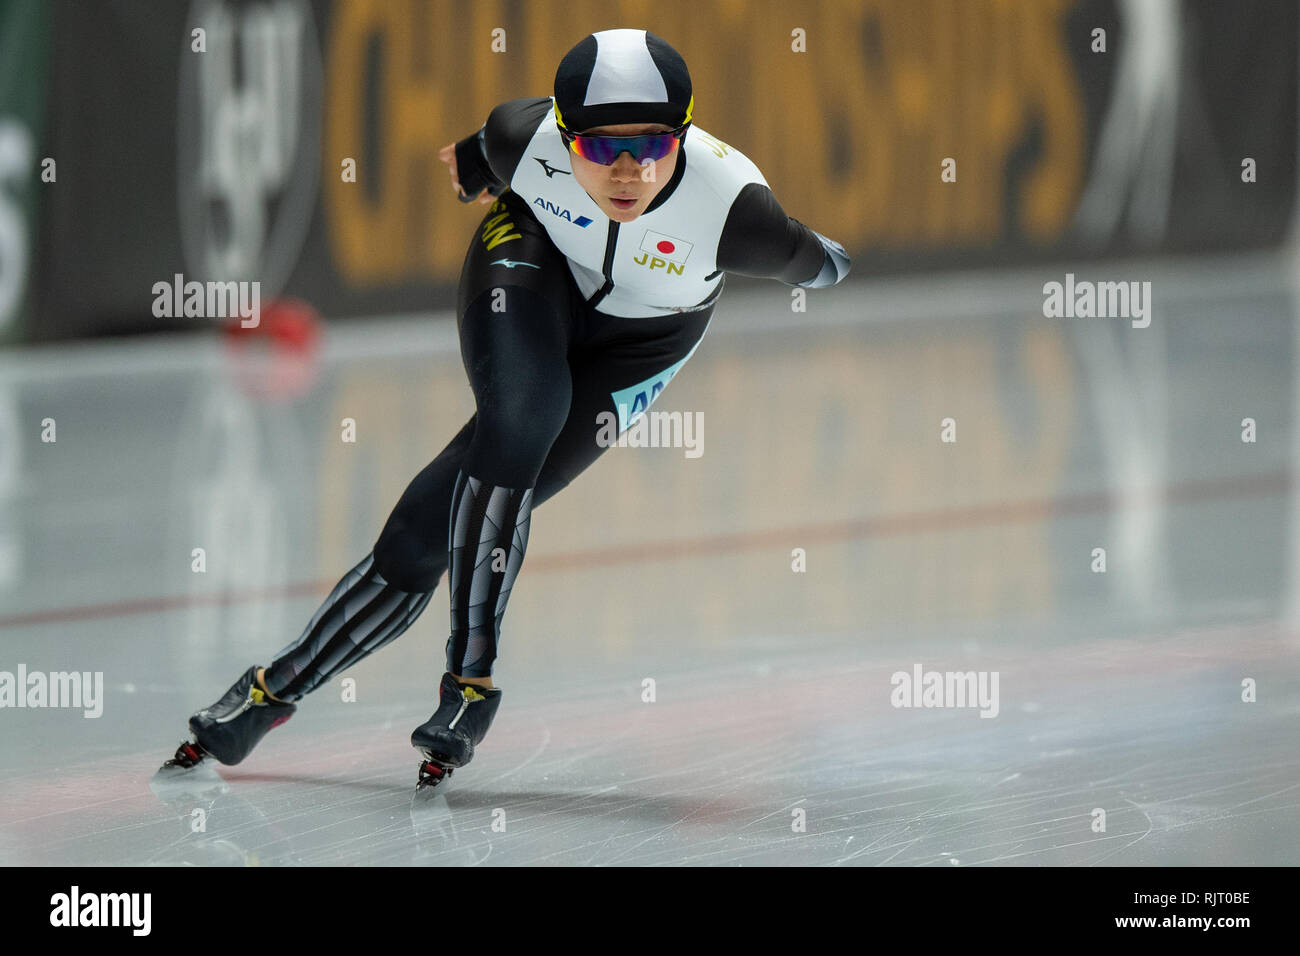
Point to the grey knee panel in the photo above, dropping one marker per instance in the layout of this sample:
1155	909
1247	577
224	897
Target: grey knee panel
487	541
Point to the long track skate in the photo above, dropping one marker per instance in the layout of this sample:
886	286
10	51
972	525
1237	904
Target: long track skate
227	731
447	740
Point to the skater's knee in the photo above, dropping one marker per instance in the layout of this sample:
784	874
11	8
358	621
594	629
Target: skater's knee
530	410
516	469
408	561
513	439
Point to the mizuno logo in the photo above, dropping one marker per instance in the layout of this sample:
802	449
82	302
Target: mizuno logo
511	263
551	170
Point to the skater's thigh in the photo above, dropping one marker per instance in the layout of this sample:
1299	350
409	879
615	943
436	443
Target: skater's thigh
517	301
518	305
618	373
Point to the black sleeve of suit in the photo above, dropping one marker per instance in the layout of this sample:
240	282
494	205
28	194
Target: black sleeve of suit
488	159
759	239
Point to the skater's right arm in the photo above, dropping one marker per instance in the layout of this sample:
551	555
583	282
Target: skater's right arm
759	239
483	163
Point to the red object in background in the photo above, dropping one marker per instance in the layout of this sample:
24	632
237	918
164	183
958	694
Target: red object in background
277	358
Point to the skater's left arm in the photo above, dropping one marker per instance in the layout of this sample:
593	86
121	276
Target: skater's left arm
759	239
488	159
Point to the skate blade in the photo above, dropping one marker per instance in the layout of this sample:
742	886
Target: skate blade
171	776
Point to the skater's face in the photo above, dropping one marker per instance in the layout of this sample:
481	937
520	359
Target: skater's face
624	190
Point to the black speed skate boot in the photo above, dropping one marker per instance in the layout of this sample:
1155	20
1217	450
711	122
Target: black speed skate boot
448	738
229	729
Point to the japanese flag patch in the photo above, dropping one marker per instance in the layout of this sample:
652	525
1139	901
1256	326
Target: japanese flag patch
666	247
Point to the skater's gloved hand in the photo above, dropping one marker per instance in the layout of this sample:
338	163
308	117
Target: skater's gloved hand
448	155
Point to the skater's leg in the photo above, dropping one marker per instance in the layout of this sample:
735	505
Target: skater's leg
362	614
515	330
517	310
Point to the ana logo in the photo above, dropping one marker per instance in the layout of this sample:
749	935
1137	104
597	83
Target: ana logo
551	170
664	252
562	213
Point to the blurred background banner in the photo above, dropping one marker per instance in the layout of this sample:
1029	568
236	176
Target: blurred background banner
24	50
214	138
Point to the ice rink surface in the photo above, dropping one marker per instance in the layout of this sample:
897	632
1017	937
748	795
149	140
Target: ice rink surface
771	737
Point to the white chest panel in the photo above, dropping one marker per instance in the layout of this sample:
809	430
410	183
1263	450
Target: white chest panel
663	261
